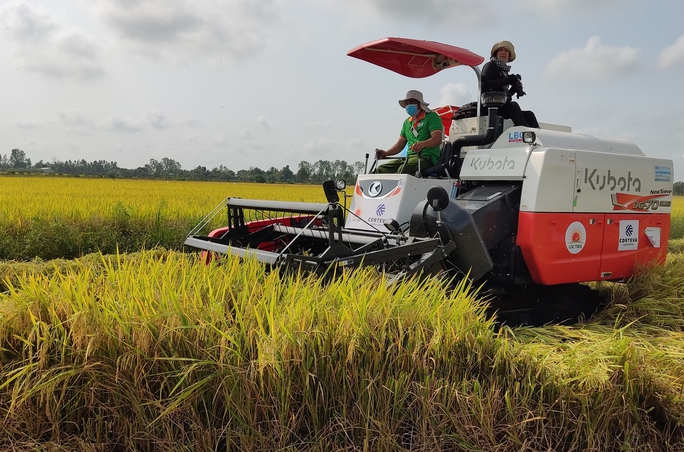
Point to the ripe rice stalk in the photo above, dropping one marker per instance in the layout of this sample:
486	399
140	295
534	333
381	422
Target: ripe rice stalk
147	349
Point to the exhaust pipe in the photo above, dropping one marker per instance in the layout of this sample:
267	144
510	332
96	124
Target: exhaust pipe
492	101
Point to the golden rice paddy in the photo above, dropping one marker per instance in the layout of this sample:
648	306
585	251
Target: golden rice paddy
154	351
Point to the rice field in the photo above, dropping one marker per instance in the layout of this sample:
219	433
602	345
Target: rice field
57	217
154	351
84	198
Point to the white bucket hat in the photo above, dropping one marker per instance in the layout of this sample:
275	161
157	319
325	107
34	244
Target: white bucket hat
417	95
508	45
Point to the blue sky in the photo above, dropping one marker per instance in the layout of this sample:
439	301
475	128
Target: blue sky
245	83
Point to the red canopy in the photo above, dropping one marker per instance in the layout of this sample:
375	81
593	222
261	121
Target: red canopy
413	57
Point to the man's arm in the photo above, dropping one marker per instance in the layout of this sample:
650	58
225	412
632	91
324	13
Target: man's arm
434	140
395	149
491	79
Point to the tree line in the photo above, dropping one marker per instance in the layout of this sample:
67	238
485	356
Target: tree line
166	168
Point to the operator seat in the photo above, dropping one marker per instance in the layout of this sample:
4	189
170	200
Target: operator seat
444	167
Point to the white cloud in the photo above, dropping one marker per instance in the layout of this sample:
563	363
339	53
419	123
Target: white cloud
455	94
318	125
157	119
672	55
322	147
556	8
42	44
121	123
73	118
224	140
187	29
593	62
465	14
31	123
245	134
264	123
27	22
195	138
355	143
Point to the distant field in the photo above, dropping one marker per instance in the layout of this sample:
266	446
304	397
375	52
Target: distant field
677	218
56	217
82	198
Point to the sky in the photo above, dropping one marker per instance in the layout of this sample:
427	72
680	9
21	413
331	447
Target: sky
268	83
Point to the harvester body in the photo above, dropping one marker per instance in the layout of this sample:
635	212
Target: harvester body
514	206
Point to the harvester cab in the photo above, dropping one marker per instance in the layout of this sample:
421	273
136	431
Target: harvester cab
523	211
378	196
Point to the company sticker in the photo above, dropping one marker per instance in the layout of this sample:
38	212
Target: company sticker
575	237
515	137
663	174
380	210
629	235
375	189
626	201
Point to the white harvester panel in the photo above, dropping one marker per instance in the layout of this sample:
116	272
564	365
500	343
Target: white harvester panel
495	164
590	209
381	197
628	183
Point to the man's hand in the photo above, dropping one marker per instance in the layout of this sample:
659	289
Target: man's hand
417	146
380	154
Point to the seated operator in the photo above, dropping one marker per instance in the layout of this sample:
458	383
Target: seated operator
422	130
495	77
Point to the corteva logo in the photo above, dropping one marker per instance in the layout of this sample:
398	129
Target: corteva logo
490	163
599	180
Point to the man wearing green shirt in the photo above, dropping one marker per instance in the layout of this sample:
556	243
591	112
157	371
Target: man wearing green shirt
422	131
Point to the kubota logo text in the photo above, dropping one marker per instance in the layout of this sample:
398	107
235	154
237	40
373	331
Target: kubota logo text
490	163
598	180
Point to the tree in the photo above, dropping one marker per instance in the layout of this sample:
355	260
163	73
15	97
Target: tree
155	168
170	166
222	173
272	174
18	159
678	189
257	175
307	173
199	173
304	172
286	175
322	170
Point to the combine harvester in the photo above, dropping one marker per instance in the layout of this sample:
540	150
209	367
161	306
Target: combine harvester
526	213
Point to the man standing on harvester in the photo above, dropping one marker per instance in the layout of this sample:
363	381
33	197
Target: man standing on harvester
422	130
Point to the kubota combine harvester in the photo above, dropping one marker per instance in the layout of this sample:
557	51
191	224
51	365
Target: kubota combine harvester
529	213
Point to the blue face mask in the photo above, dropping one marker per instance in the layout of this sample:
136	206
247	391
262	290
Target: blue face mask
412	109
